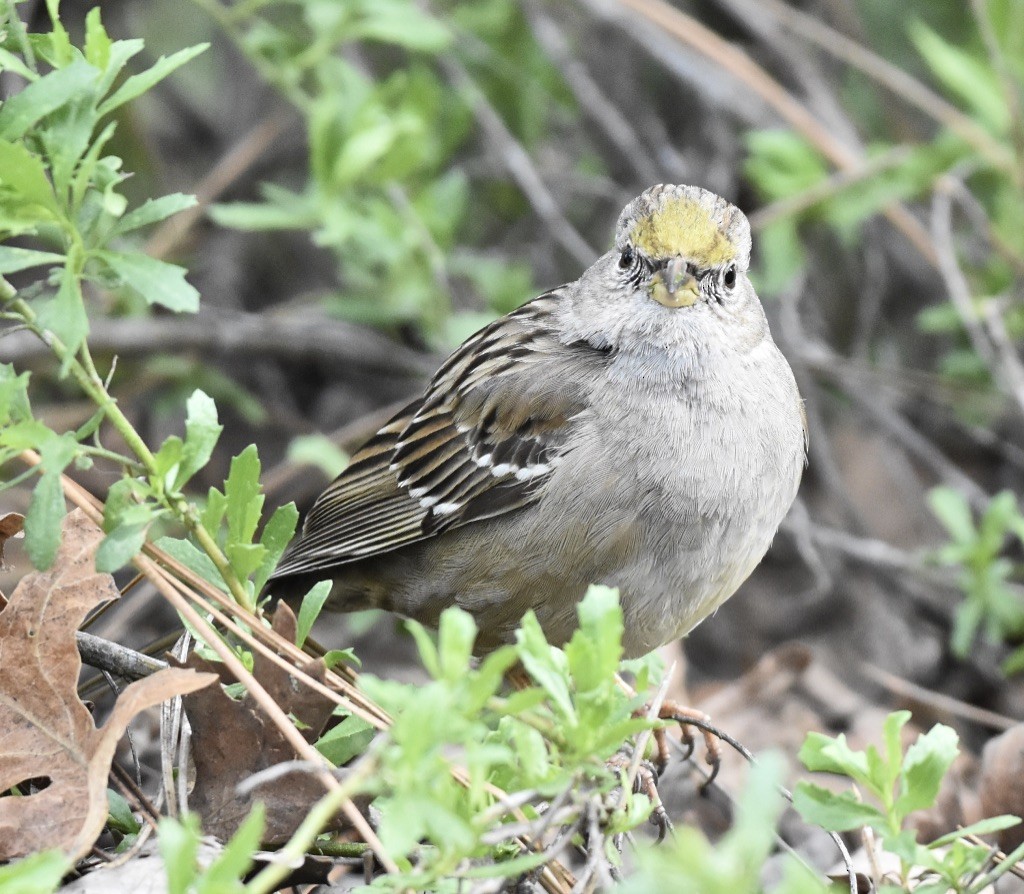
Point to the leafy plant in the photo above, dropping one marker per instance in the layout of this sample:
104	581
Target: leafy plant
993	602
899	783
550	741
733	865
383	195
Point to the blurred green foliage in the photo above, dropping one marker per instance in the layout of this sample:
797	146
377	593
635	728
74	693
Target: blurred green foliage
384	194
990	580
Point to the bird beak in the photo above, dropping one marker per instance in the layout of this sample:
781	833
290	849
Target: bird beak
674	285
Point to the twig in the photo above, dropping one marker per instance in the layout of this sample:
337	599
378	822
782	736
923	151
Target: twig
1000	359
239	158
938	700
519	165
301	336
592	100
893	78
115	658
689	31
84	500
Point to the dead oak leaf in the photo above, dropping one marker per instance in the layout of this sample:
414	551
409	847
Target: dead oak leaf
11	524
45	730
233	739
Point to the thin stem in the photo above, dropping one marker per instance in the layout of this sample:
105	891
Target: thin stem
90	381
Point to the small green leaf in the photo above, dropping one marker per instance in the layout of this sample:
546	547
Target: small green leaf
138	84
835	812
826	755
541	663
42	521
983	827
405	26
968	78
277	534
951	508
244	500
97	42
44	96
202	431
456	634
14	259
120	546
320	451
227	871
179	846
156	281
310	608
924	766
334	657
193	558
23	174
37	874
120	814
64	314
346	740
153	211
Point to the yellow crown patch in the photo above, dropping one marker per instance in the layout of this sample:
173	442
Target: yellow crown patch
683	227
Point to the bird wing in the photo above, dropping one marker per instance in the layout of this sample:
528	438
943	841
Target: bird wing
489	429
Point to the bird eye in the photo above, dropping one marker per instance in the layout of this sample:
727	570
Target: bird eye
730	277
626	258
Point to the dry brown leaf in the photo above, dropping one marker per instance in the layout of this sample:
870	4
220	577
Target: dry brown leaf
1002	769
233	739
45	730
10	526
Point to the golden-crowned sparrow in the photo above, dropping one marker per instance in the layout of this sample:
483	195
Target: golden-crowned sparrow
637	428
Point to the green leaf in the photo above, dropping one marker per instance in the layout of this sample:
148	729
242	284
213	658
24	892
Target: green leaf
226	872
540	661
334	657
179	846
193	558
826	755
23	174
46	509
44	96
156	281
256	216
37	874
346	740
120	53
120	814
320	451
10	62
97	43
456	634
153	211
983	827
405	26
970	79
138	84
120	546
42	521
952	509
202	430
924	767
244	500
277	534
310	608
835	812
596	647
14	259
64	314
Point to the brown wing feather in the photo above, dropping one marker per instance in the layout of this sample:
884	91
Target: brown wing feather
479	442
